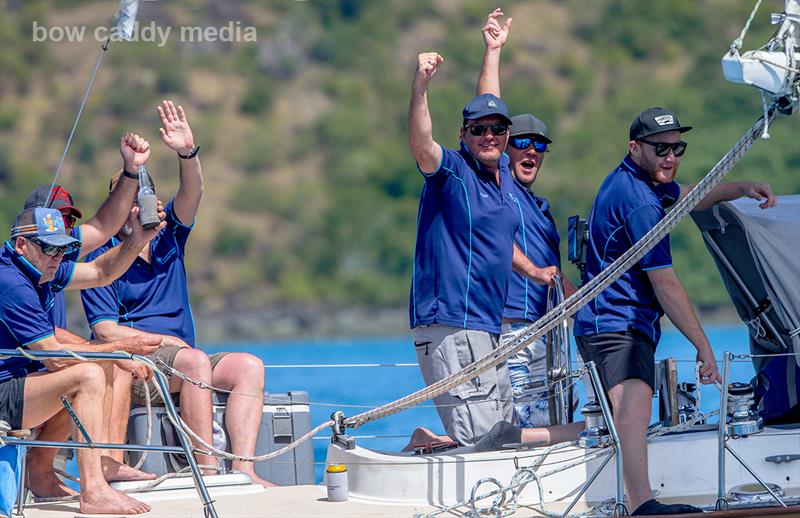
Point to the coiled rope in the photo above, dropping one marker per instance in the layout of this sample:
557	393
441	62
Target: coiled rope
588	292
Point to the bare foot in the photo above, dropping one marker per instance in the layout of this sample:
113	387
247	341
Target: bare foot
46	484
423	436
115	471
258	480
105	500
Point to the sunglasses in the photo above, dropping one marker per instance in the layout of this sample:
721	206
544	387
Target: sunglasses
539	146
479	130
50	250
663	148
69	220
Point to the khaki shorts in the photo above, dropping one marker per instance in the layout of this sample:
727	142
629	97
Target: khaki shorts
165	353
471	409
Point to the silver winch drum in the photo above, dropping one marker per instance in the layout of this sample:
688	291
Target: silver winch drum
596	433
741	419
754	493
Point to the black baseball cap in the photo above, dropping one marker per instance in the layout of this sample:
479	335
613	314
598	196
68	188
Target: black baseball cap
655	120
58	198
527	124
485	105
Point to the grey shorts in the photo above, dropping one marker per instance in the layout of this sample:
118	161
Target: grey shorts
469	410
167	354
12	397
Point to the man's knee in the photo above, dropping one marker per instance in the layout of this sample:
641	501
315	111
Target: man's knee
192	361
88	376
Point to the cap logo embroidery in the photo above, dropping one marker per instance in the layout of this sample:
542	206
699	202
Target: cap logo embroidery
664	120
491	104
51	226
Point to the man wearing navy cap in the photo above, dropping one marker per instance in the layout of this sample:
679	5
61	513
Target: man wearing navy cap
31	270
619	329
464	256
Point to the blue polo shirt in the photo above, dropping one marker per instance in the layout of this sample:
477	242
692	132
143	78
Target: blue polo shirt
538	239
152	296
465	239
25	307
627	206
58	313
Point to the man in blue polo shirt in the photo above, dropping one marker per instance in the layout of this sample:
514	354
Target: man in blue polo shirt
464	256
31	268
537	237
152	299
619	329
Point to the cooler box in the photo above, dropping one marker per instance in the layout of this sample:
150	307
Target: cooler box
284	418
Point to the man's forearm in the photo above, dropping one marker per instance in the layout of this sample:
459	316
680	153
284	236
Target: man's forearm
676	304
721	192
109	331
489	80
110	217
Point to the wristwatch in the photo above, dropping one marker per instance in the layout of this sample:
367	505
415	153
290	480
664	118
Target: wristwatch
190	154
134	176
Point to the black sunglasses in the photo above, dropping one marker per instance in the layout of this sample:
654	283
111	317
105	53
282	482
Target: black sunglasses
479	130
539	146
50	250
663	148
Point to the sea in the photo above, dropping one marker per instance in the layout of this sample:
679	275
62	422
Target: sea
354	375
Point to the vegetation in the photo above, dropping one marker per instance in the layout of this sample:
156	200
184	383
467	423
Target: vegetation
312	194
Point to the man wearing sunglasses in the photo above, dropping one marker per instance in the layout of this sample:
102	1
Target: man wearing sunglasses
464	256
620	329
31	271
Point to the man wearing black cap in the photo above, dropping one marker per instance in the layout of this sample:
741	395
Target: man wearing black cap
619	330
31	270
464	255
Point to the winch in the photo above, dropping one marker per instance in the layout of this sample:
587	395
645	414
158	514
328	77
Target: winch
596	433
741	419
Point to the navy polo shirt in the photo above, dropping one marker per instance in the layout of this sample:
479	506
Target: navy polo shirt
627	206
58	313
25	307
538	239
152	296
465	243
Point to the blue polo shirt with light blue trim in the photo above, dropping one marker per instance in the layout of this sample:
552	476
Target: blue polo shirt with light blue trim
465	238
538	239
627	206
25	308
152	296
58	313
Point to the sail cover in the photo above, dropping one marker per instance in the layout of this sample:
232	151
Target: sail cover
757	252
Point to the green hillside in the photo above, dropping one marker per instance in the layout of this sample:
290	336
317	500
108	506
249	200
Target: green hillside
311	192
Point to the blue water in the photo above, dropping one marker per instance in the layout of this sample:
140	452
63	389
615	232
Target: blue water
348	389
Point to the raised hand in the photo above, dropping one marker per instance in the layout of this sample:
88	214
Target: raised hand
494	34
175	130
427	64
135	151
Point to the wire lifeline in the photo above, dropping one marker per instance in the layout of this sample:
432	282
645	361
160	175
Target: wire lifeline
587	292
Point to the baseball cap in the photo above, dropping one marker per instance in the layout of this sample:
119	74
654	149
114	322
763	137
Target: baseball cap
45	224
485	105
655	120
527	124
60	199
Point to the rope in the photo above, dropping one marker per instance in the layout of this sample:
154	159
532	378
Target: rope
582	296
737	43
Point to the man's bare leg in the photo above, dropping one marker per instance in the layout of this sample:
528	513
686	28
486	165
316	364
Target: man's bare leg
422	436
243	374
549	435
195	401
84	384
631	401
41	478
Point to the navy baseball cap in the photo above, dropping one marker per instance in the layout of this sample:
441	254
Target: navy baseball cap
59	198
486	105
45	224
527	124
655	120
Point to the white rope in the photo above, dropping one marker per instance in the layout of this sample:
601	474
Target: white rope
737	43
583	296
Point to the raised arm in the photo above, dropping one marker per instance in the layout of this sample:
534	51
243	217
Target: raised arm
524	266
115	262
734	190
177	135
676	304
494	37
427	152
116	208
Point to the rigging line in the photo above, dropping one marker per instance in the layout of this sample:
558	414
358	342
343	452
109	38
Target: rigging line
338	365
103	50
586	293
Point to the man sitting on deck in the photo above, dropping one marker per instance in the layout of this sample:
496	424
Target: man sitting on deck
152	299
31	271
